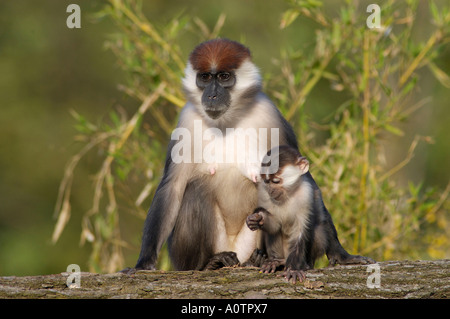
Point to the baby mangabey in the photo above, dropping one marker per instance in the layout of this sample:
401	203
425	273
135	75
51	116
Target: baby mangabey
296	226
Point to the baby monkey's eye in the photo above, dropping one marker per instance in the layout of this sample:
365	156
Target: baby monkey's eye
276	180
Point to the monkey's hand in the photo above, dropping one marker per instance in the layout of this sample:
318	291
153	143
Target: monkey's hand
294	275
255	221
271	265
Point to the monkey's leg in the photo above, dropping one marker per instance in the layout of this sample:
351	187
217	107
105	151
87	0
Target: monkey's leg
191	243
259	255
336	253
301	257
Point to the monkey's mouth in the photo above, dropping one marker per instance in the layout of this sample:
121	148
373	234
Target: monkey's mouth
214	113
277	197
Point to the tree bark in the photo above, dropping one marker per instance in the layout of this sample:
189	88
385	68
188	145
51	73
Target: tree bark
398	279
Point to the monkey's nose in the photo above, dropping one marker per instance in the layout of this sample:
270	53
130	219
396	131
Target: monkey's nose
212	97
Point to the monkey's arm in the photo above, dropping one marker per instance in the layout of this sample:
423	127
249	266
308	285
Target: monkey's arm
264	220
296	263
162	214
159	223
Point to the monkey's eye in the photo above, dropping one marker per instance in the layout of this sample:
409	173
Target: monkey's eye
276	180
223	76
205	77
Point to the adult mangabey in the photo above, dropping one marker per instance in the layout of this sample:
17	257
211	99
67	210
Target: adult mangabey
201	206
296	226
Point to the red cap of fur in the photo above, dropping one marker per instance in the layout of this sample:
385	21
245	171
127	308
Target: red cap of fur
218	55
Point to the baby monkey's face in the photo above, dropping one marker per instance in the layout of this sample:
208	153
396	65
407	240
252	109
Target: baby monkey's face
285	181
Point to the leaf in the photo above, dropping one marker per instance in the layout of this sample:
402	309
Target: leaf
63	219
288	17
394	130
414	190
336	36
435	12
408	87
440	75
114	118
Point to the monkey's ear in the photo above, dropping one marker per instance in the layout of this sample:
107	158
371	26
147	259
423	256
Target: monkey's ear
303	164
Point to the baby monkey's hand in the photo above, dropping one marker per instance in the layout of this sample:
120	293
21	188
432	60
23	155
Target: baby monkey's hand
256	220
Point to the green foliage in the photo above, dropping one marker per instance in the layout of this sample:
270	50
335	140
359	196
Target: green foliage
374	70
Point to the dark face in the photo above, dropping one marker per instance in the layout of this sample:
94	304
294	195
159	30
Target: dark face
216	88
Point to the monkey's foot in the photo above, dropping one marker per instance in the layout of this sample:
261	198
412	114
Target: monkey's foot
272	265
132	271
223	259
352	260
128	271
256	259
293	275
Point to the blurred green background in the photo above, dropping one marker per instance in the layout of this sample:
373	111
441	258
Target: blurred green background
48	70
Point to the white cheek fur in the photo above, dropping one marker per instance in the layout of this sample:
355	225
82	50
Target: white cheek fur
247	75
190	86
189	80
290	175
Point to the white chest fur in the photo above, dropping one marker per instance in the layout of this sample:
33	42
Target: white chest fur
294	213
